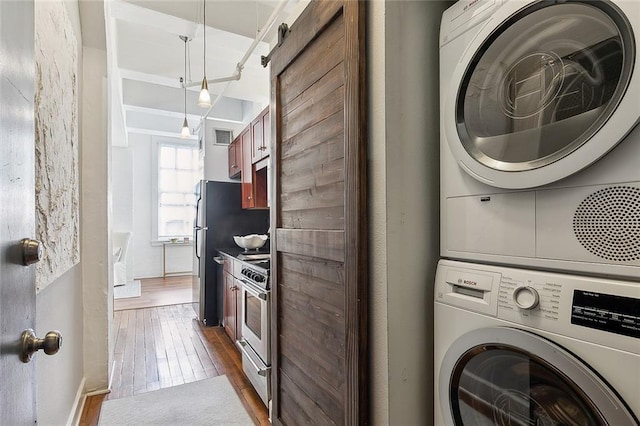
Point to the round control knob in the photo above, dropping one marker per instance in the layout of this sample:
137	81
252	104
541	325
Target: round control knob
259	278
526	297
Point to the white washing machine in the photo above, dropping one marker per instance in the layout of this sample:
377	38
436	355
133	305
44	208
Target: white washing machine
540	143
522	347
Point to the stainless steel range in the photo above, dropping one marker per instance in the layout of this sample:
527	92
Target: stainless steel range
255	326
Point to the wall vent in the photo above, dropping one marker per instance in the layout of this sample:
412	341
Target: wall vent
222	137
607	223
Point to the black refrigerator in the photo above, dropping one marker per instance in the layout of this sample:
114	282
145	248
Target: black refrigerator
219	216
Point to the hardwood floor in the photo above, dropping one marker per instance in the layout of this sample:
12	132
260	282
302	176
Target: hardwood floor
166	346
159	292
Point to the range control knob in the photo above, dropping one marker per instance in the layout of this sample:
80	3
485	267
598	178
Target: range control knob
526	297
259	278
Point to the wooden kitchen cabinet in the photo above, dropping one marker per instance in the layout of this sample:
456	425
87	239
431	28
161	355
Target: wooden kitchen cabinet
256	139
231	304
250	151
254	182
238	290
235	158
232	308
266	131
261	134
248	201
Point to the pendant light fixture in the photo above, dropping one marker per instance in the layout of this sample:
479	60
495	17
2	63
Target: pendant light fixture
204	100
185	133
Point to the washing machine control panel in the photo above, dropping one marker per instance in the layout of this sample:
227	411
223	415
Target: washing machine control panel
606	312
598	310
528	297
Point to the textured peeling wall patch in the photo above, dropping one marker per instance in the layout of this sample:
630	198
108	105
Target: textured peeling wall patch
56	129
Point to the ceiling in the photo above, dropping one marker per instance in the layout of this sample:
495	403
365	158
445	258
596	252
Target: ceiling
147	58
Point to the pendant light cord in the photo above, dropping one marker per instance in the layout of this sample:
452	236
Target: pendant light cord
204	33
189	56
185	77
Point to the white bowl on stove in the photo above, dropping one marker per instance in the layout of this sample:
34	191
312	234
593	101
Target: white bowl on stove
248	242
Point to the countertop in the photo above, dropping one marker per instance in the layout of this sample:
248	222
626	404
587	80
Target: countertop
237	251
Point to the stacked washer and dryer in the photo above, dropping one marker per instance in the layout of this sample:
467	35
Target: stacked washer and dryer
537	297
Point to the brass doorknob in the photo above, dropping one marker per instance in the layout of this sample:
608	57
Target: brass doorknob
51	344
32	251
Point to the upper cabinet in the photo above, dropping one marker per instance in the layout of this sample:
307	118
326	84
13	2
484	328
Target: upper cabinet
261	133
256	143
248	200
248	159
235	157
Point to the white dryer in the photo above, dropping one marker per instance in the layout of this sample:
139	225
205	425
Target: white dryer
540	147
521	347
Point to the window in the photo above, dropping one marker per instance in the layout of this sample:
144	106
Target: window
178	173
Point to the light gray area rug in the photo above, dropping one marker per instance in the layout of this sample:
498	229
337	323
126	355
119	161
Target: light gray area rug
205	402
131	289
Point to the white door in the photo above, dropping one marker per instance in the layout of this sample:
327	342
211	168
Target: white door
17	209
544	90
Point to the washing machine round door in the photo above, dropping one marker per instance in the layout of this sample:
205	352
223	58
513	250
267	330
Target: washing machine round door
546	92
506	376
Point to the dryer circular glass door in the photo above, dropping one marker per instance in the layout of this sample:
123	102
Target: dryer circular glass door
506	376
539	93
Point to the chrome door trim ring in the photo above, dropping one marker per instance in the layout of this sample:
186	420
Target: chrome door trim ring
610	406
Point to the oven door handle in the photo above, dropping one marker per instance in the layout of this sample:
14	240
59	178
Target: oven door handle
261	371
253	290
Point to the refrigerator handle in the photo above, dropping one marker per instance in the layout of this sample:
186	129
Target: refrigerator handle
196	242
196	225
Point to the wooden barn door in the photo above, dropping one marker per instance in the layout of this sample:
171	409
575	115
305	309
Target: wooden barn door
319	250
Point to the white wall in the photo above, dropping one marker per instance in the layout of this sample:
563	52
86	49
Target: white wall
148	257
59	307
95	223
216	164
378	314
146	252
122	197
404	132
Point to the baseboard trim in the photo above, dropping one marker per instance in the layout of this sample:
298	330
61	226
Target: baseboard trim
78	405
97	392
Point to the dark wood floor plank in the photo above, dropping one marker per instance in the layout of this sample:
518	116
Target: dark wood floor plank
126	388
150	349
140	364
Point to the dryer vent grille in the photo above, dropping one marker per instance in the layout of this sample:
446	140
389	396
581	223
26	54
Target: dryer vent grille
607	223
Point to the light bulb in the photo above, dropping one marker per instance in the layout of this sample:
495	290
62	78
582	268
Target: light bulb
185	130
204	100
